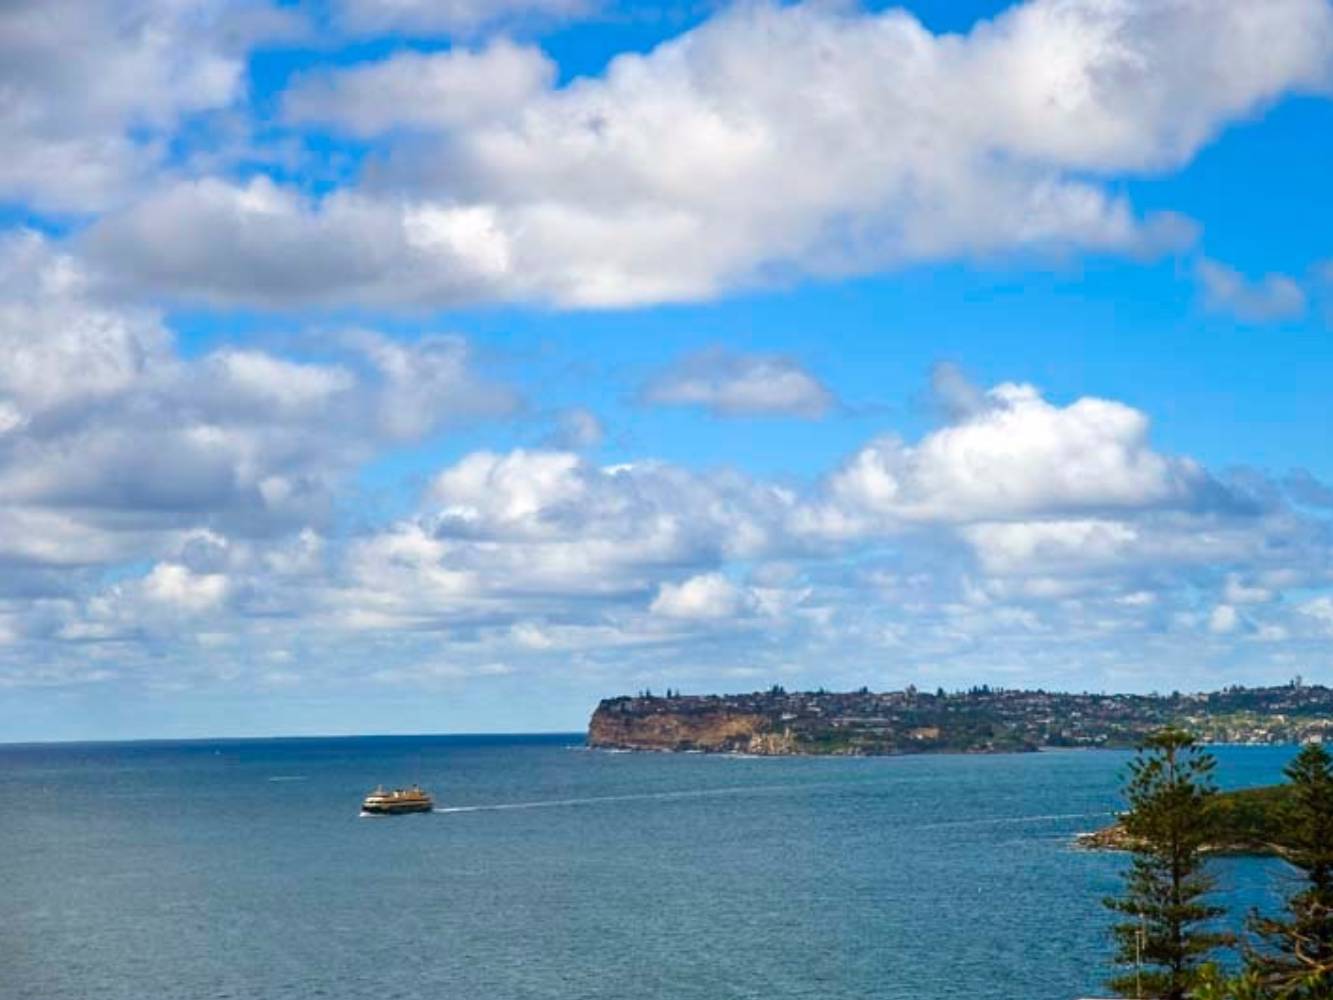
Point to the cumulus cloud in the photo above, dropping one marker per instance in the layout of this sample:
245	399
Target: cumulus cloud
202	508
1269	299
1320	609
1021	515
597	517
431	674
179	588
732	384
1160	543
1015	456
1238	591
422	91
1017	521
94	89
427	383
115	443
693	169
214	241
707	596
1223	619
62	348
450	16
548	547
1050	548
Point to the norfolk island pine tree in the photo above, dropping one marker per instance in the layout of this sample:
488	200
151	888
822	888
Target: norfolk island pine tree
1165	939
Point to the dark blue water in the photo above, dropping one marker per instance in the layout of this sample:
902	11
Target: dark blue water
242	869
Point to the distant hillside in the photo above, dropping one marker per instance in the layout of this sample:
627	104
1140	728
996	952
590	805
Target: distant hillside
982	720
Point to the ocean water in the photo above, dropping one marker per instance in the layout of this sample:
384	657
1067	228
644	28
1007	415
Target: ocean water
242	869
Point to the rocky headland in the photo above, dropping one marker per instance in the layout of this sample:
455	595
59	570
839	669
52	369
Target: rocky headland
979	720
775	722
1249	821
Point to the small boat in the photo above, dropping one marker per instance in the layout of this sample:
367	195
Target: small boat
382	802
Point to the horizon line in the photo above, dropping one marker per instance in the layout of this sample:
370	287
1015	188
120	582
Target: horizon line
10	744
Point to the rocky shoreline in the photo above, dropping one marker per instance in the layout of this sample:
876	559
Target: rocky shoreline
1114	838
1246	821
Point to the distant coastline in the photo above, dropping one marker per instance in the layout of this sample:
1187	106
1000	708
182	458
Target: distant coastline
980	720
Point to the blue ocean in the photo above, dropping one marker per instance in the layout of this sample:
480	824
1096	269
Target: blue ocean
242	869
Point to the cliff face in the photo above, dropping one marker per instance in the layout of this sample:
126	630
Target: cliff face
716	732
775	722
980	720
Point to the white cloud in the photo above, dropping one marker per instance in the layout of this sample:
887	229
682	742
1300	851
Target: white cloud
650	512
1050	546
422	91
1237	591
694	169
176	510
37	535
449	16
115	442
177	587
1223	619
512	538
430	674
501	490
1021	515
231	244
733	384
429	382
1271	298
94	89
1016	456
708	596
1162	547
61	347
1320	609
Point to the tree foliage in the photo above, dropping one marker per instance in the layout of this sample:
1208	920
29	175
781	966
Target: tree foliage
1165	939
1292	958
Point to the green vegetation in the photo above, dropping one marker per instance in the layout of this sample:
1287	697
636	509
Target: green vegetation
1247	821
979	720
1165	938
1291	956
1251	820
1174	817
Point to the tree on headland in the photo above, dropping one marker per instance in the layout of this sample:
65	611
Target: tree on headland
1164	939
1214	984
1293	956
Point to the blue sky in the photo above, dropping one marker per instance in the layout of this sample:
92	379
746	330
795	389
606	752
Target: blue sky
418	366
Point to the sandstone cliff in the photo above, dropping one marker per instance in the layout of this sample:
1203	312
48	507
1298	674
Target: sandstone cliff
715	732
778	722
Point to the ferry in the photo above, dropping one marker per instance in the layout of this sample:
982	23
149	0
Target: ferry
382	802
